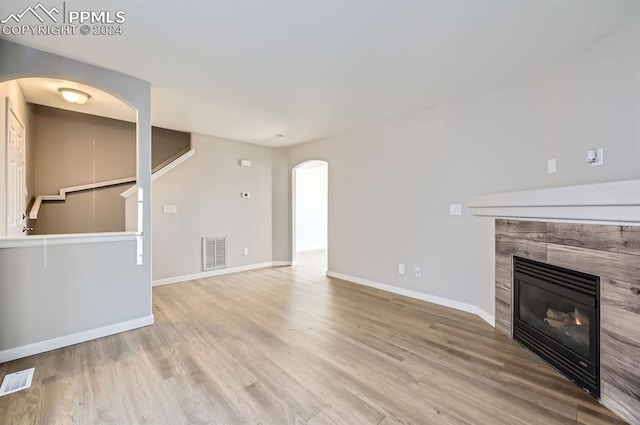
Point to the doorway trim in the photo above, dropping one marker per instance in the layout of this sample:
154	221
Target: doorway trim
9	110
294	259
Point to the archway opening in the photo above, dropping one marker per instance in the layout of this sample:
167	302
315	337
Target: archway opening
71	150
310	213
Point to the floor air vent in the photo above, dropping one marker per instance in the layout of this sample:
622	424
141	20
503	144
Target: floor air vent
16	382
214	252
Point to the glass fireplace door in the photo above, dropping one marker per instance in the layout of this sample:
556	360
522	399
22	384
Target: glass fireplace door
567	321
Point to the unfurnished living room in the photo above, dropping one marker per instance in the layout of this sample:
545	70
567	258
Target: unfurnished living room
320	212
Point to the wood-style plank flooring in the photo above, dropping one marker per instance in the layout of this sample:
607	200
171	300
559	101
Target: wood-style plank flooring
288	345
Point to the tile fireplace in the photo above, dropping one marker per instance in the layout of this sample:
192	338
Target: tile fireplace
604	256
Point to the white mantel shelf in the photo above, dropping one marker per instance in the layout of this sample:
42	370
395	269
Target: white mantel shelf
66	239
612	202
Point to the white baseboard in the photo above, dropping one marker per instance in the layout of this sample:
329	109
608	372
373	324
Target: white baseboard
67	340
219	272
446	302
489	318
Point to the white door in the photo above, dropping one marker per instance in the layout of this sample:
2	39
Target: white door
16	175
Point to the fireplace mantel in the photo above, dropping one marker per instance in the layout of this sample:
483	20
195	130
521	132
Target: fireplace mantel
592	228
606	203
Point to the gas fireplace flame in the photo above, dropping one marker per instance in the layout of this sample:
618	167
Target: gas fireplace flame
580	318
563	319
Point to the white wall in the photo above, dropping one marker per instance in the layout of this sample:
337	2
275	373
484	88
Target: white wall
207	192
391	183
311	199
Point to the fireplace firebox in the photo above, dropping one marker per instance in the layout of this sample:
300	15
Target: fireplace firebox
556	316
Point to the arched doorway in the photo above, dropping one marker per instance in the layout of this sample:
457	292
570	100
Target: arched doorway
71	152
310	214
96	284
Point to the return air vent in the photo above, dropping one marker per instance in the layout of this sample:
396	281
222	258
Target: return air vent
214	252
16	382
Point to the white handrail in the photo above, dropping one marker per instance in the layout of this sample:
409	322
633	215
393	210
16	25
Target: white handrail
161	172
62	196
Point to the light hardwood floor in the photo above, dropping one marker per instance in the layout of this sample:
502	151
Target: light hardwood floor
290	346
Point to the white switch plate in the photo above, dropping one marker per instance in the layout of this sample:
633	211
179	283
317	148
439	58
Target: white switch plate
400	268
170	209
245	163
455	209
552	166
418	272
245	251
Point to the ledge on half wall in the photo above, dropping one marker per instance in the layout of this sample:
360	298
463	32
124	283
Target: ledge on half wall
446	302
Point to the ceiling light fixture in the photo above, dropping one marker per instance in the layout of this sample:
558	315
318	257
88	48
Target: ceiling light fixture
74	96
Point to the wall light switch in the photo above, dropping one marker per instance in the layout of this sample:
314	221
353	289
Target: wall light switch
551	166
245	251
170	209
455	209
400	268
245	163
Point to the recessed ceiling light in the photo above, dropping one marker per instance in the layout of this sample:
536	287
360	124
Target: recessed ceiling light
280	136
74	96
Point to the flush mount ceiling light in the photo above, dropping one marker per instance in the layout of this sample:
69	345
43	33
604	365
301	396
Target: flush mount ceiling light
74	96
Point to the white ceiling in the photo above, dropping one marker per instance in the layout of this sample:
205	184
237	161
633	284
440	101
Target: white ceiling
44	91
247	70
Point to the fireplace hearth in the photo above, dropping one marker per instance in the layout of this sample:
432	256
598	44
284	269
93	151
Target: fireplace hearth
556	316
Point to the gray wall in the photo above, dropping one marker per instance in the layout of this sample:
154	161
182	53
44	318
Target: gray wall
53	291
281	176
108	297
390	184
206	190
73	149
165	144
92	211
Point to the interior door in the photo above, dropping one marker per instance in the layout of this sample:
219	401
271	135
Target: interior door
16	175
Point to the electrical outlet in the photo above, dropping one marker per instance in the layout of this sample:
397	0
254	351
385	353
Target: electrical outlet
595	157
455	209
418	272
400	268
245	251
